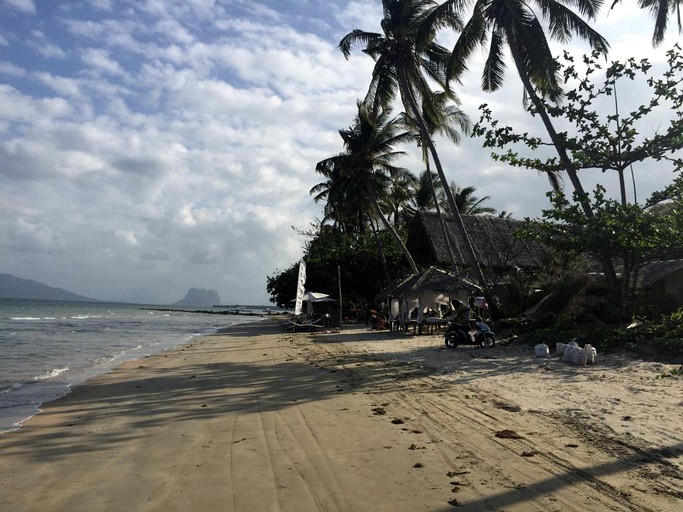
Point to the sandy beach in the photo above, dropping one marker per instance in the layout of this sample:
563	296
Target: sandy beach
253	419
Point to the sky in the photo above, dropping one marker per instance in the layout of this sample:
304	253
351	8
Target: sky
151	146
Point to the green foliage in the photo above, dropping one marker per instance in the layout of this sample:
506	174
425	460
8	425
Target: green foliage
667	333
664	334
359	260
613	232
616	228
671	373
600	141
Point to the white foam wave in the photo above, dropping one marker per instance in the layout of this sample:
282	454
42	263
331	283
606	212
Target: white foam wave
51	374
25	318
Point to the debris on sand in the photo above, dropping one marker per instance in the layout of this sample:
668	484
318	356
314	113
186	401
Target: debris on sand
508	434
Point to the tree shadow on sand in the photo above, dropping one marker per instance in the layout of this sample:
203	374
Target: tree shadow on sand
592	475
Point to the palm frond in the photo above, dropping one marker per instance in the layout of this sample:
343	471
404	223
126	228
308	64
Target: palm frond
494	67
537	59
354	37
445	15
586	8
563	23
472	35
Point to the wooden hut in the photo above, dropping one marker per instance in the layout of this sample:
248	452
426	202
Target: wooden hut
662	283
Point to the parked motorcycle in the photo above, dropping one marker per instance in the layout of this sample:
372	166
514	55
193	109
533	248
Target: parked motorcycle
459	334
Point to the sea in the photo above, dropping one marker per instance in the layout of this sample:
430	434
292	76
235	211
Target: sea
48	346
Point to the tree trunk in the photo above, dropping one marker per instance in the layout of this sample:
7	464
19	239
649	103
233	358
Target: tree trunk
380	249
584	201
387	224
409	99
446	236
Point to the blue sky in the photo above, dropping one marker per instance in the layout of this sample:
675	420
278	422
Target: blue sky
151	146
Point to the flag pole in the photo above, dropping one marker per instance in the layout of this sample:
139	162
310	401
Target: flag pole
340	295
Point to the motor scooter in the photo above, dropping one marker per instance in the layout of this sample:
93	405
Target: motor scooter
459	334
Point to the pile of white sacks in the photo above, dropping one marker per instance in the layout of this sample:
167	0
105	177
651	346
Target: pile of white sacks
570	352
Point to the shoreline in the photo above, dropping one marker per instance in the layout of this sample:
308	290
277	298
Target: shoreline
253	418
63	388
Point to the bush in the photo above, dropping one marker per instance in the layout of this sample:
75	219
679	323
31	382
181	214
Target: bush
667	334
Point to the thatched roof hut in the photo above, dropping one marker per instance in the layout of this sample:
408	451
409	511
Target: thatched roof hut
493	239
662	283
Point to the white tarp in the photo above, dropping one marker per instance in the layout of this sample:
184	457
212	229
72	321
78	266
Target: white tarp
311	297
300	288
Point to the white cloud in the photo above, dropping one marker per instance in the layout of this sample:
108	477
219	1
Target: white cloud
62	85
27	6
101	60
9	69
176	141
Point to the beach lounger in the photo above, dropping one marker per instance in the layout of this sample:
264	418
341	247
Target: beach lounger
297	326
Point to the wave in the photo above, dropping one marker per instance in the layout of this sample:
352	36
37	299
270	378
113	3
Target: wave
51	374
9	389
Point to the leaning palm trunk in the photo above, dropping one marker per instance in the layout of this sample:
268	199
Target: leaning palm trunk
606	260
446	236
407	95
394	234
380	249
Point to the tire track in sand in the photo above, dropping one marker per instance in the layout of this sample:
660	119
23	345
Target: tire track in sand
462	430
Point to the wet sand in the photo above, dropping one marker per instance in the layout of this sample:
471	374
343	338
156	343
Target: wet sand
256	420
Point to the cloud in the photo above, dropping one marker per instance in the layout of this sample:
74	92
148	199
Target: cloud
25	6
9	69
62	85
163	145
101	61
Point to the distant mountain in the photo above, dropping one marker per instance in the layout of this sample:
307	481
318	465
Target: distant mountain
12	287
198	297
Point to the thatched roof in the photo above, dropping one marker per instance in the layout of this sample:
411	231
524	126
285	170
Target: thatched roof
655	271
493	239
432	279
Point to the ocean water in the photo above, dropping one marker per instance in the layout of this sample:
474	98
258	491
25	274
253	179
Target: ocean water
47	346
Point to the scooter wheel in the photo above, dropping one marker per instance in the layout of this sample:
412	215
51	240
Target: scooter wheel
488	340
451	340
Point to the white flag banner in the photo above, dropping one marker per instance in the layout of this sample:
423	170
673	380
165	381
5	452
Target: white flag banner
300	287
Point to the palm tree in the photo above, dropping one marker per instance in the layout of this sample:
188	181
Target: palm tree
399	196
426	195
514	24
367	161
345	206
660	9
407	60
497	24
469	203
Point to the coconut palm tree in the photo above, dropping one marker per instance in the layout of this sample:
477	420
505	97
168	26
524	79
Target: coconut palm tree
426	195
367	161
660	10
345	206
513	24
399	196
469	203
407	61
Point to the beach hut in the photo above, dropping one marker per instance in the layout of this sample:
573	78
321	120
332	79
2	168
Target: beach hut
428	290
661	282
493	239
